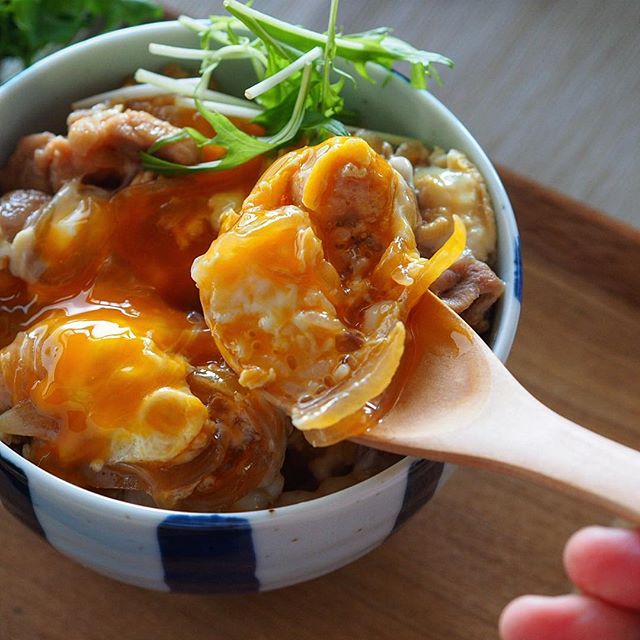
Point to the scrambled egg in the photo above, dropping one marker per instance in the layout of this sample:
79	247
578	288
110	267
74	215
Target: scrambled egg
451	185
307	289
114	394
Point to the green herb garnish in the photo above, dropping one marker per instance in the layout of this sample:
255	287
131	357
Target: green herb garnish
28	26
299	87
241	147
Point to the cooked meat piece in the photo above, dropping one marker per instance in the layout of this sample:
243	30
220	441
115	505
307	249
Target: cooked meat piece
106	132
470	288
22	170
105	140
41	161
16	207
102	145
375	142
162	107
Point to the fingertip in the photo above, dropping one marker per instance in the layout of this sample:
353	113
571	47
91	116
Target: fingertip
516	614
533	618
579	547
584	538
570	617
605	562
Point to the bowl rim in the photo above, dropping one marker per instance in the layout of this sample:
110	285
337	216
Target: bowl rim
120	509
503	338
505	335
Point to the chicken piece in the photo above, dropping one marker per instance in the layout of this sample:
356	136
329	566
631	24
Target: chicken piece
451	185
414	151
470	288
16	207
306	294
161	107
67	240
376	142
41	161
102	146
108	141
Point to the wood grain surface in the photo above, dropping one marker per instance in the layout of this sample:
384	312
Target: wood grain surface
547	88
482	541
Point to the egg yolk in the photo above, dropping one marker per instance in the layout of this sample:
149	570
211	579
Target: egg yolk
114	395
102	324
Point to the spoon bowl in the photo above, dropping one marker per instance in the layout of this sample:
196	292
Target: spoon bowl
462	405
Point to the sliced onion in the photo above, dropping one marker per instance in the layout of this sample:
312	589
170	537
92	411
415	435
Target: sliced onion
24	420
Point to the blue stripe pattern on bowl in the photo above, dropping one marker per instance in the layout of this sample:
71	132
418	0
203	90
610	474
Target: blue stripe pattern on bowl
422	482
517	268
16	496
207	553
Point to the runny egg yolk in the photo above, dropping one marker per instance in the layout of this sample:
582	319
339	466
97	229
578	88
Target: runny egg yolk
113	394
102	337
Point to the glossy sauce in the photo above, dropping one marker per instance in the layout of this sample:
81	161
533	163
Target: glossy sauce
123	329
104	345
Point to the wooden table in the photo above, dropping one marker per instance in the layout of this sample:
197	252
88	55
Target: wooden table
529	80
482	541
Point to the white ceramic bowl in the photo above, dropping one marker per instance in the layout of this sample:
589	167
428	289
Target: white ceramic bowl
259	550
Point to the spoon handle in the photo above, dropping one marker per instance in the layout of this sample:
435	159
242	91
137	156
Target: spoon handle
515	434
531	441
462	405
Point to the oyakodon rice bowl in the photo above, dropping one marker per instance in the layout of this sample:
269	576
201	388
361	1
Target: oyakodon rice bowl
246	550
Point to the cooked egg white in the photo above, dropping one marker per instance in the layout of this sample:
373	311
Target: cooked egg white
451	185
114	394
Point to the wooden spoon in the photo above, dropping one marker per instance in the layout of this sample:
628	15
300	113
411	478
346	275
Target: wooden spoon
462	405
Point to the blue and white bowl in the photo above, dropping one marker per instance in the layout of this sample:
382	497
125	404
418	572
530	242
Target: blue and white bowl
261	550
